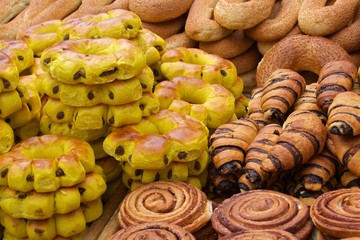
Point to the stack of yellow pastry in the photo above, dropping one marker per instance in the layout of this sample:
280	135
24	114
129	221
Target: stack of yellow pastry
50	187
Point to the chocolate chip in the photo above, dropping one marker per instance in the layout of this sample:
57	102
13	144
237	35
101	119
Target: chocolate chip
79	74
106	73
46	61
49	126
157	177
7	84
4	172
111	95
22	195
129	182
159	48
60	115
129	26
70	126
197	165
38	231
138	172
142	106
119	150
111	120
169	174
66	37
29	178
55	89
21	58
90	95
166	160
143	85
29	106
81	190
182	155
223	72
130	158
59	172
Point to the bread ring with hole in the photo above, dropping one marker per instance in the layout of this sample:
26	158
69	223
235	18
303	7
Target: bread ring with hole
158	140
45	163
200	24
159	10
349	36
93	61
167	28
315	18
180	40
197	98
299	53
242	14
247	60
193	62
282	19
230	46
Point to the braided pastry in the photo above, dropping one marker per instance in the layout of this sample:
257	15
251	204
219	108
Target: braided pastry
307	101
336	213
343	114
171	202
317	171
303	137
229	143
153	230
257	152
262	210
280	92
79	61
197	98
335	77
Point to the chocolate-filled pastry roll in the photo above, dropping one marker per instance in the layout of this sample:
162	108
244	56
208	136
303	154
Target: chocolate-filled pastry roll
262	210
280	92
273	234
334	77
343	114
337	213
254	108
229	143
153	230
171	202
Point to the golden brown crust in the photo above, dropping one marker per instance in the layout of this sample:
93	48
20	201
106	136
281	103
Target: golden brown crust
167	28
171	202
260	235
259	210
282	19
336	213
254	109
200	24
317	19
247	60
159	10
240	14
11	8
230	46
299	53
249	80
180	40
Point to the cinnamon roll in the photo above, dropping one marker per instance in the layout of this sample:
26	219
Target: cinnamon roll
262	210
337	213
171	202
273	234
153	230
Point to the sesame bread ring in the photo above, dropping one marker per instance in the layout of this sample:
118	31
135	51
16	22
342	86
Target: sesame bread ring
242	15
11	8
230	46
282	19
19	52
159	10
247	60
299	53
158	140
315	18
41	36
167	28
197	98
46	163
193	62
200	24
349	36
180	40
93	61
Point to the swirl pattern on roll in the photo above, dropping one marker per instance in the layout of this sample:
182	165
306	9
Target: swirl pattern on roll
153	230
262	210
171	202
337	213
274	234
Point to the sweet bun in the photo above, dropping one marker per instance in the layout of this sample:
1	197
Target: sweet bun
315	18
282	19
9	73
7	137
299	53
158	10
200	24
19	53
242	15
197	98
